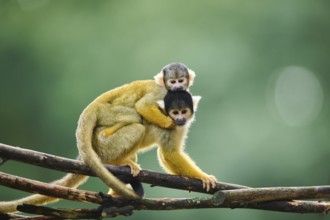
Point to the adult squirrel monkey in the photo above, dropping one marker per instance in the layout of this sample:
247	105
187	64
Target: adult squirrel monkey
123	108
180	106
110	129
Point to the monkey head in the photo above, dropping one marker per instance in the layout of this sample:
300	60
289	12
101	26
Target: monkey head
180	106
175	77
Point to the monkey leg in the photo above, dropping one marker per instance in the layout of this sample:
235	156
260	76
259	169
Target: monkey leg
120	145
131	162
116	117
135	170
112	115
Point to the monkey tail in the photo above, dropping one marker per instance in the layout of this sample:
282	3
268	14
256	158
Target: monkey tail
137	187
69	180
84	135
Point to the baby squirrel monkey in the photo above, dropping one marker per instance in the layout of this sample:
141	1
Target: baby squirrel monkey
126	106
119	146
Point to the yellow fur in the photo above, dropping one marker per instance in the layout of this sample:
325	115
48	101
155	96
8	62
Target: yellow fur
114	127
109	131
118	147
110	128
115	112
123	145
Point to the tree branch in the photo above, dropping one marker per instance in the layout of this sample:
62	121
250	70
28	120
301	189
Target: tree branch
241	198
231	196
122	172
52	190
165	204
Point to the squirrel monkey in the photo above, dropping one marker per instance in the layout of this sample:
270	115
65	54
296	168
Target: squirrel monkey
123	108
180	106
174	77
110	128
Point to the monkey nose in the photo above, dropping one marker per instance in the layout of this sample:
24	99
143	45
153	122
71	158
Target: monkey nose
179	88
180	121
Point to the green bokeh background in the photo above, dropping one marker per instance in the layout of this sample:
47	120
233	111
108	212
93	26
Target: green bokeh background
262	68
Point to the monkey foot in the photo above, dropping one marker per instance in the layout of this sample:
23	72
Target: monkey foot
209	182
135	168
109	131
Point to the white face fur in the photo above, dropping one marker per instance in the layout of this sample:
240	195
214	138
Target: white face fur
181	115
175	83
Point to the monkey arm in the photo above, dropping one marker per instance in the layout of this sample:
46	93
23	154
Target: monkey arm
179	163
151	112
153	115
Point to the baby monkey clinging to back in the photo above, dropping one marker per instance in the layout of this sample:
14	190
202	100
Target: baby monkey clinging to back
124	108
180	107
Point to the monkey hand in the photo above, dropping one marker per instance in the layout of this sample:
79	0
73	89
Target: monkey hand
167	123
170	124
209	181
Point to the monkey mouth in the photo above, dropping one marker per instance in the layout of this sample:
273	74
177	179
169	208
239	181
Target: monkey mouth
180	122
180	88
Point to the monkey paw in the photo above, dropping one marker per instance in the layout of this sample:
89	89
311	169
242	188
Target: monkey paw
209	182
135	169
168	123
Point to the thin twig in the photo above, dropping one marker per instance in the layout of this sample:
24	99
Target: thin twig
51	190
61	213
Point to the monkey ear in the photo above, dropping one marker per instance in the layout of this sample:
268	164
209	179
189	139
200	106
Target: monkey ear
159	79
196	100
161	104
192	76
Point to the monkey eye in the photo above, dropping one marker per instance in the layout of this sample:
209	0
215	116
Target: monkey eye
184	111
181	80
175	112
173	81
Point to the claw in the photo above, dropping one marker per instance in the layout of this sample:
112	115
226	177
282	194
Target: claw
209	182
213	181
204	184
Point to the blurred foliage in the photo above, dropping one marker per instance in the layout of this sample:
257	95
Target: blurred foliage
262	69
